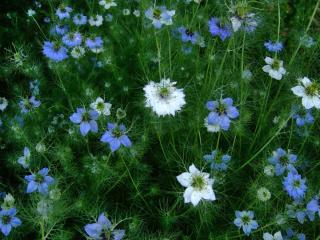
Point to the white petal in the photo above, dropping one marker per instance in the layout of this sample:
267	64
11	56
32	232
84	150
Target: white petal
208	194
299	91
184	179
275	74
278	236
187	194
193	169
316	101
195	198
268	60
236	24
305	81
267	236
266	68
307	102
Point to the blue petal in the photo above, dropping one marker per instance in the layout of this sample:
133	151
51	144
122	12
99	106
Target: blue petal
114	144
76	118
84	128
104	221
32	186
94	230
94	126
125	141
5	229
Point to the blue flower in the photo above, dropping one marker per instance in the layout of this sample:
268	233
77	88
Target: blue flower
290	234
94	44
282	161
79	19
217	161
245	221
86	119
188	36
273	47
298	211
302	116
220	114
39	181
63	12
26	105
54	51
8	220
313	206
216	29
295	185
61	29
160	16
24	160
102	228
116	136
72	39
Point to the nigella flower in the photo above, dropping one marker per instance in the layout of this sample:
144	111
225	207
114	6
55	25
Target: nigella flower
3	103
274	68
296	210
86	119
217	160
116	136
313	207
164	98
102	228
79	19
72	39
63	12
101	106
96	20
26	105
309	91
245	221
273	47
77	52
269	236
282	161
198	186
216	29
61	29
290	234
188	35
242	18
302	116
39	181
24	160
8	220
160	16
107	4
263	194
95	44
220	114
54	51
295	185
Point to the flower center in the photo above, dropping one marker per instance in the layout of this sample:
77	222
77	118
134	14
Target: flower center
86	116
198	182
296	184
116	132
100	106
39	178
157	13
245	219
164	92
6	220
189	32
284	160
275	64
221	108
312	89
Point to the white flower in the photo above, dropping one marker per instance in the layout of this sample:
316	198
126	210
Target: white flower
198	184
136	13
269	170
276	236
96	20
309	91
126	12
164	98
101	107
3	103
263	194
77	52
107	4
274	67
31	12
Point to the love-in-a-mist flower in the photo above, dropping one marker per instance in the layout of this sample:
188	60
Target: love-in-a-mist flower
217	160
77	52
101	106
309	91
263	194
198	186
187	35
298	211
86	119
273	46
274	68
282	161
163	97
96	20
103	228
95	44
313	207
24	160
63	12
269	236
242	18
39	181
302	116
107	4
245	221
217	29
115	136
61	29
221	113
72	39
79	19
292	235
8	220
54	51
26	105
160	16
295	185
3	103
